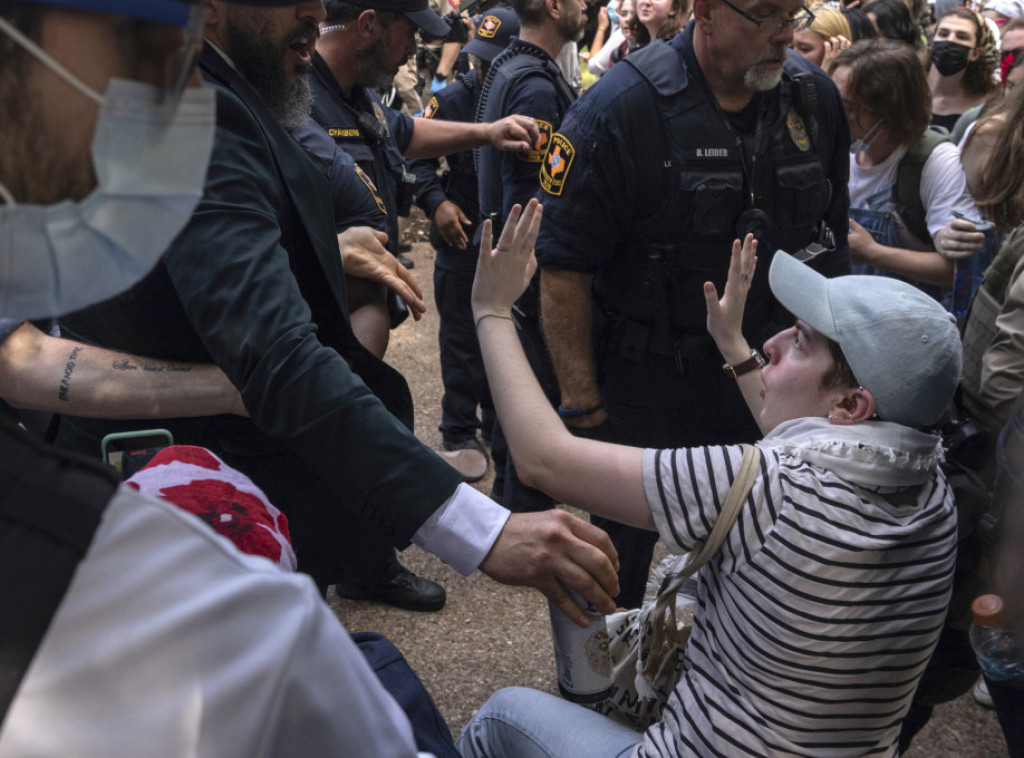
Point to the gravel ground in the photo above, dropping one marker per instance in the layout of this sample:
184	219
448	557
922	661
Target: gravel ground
489	636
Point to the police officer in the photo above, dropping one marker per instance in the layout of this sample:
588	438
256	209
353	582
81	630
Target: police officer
362	46
684	147
526	79
454	212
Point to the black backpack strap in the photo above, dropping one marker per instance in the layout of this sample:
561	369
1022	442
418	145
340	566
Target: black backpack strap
50	506
908	182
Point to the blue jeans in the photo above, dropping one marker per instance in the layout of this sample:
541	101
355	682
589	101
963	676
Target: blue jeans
522	723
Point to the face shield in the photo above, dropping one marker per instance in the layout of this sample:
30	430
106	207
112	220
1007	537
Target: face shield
152	16
150	149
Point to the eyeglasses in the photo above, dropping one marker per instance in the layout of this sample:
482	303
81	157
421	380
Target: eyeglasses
776	24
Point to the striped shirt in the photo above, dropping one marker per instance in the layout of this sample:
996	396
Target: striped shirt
816	618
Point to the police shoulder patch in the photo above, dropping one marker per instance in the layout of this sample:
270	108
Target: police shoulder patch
537	154
431	108
373	189
557	163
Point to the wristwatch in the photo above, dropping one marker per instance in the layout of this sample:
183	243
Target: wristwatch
756	360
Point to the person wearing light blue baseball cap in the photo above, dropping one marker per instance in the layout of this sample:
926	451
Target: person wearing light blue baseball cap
817	616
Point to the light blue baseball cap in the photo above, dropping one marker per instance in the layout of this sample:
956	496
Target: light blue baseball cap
901	344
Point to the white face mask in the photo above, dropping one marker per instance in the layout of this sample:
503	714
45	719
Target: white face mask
150	158
861	144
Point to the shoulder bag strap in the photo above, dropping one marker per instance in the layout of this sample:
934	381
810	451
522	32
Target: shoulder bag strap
665	634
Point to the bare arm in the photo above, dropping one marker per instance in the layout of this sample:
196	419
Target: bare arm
725	321
596	476
449	52
928	267
432	138
47	373
566	303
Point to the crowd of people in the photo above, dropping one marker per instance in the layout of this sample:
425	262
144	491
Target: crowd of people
788	224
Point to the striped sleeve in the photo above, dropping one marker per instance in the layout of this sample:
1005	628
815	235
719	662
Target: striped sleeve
686	489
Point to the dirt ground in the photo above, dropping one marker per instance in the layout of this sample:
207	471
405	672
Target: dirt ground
489	636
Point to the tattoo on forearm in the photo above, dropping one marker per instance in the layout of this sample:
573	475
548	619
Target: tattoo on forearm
125	364
158	367
69	369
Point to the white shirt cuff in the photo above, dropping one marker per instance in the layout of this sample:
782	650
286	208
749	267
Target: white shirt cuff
462	531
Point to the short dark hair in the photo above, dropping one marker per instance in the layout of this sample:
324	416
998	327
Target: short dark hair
860	24
840	374
530	12
339	12
894	21
886	79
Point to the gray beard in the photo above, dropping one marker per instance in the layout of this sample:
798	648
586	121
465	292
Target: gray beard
293	105
261	64
378	79
763	81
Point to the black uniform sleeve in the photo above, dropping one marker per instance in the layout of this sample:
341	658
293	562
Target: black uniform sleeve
589	186
534	95
354	200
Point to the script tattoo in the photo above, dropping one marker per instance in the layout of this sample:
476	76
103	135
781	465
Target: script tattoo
125	365
69	369
158	368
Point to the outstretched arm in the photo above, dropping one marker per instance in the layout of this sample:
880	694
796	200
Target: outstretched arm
598	477
432	138
725	320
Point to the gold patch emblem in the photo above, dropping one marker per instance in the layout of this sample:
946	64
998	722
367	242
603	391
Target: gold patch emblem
379	113
431	108
488	27
373	189
798	131
557	163
537	154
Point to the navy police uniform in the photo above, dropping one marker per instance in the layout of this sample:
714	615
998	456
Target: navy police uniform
374	135
653	222
462	369
354	195
523	80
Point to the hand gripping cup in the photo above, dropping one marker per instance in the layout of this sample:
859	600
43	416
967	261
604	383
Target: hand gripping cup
581	655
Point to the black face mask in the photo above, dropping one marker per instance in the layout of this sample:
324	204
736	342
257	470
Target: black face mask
950	57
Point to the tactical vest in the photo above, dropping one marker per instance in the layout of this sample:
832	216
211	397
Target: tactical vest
688	241
516	61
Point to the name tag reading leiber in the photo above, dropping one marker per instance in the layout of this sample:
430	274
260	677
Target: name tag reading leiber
712	152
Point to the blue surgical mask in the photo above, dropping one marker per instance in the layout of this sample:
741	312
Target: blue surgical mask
861	144
150	156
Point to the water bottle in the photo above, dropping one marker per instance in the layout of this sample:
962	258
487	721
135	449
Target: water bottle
1001	657
581	655
998	649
